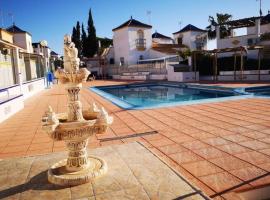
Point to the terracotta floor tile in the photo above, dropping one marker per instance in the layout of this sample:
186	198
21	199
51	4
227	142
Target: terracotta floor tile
202	135
221	132
181	139
15	149
256	145
261	182
254	157
199	184
161	142
239	129
236	138
257	127
202	168
267	131
265	166
216	141
255	135
229	163
221	181
233	149
185	157
196	144
173	148
248	173
209	153
265	151
154	137
265	140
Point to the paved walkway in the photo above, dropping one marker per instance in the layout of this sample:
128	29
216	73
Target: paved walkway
220	147
143	178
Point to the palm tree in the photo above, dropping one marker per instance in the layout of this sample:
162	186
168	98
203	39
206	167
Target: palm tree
220	19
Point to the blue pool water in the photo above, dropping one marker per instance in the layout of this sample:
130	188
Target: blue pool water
259	91
157	95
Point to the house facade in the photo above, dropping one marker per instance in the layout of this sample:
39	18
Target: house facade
22	70
191	36
132	41
161	39
255	31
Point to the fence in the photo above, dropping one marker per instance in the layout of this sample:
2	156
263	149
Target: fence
151	66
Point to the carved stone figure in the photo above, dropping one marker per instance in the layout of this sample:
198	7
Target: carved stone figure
75	126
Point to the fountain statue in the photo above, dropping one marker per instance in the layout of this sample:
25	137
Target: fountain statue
76	126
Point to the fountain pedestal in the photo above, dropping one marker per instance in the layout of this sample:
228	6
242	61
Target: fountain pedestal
75	127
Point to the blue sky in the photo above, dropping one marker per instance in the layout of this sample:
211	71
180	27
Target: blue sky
51	19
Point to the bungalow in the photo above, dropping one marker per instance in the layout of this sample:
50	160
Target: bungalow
133	41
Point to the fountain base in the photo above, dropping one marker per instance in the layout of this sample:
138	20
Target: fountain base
58	174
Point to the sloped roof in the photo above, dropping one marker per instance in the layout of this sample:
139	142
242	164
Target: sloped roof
54	53
16	29
190	27
132	23
158	35
170	49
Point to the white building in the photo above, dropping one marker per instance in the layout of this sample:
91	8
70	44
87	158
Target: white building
161	39
22	70
191	36
245	32
132	41
41	48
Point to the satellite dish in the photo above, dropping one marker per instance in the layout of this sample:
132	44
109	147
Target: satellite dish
44	43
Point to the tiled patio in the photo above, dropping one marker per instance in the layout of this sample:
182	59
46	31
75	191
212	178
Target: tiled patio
220	147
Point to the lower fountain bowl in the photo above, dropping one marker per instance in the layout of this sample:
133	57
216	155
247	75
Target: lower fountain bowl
58	174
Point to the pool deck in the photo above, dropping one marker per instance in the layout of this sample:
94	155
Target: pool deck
219	147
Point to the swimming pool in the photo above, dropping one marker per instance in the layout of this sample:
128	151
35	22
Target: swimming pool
142	96
259	91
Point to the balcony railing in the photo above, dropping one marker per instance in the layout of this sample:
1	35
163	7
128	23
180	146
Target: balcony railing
140	44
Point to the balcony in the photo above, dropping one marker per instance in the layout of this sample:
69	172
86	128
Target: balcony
140	44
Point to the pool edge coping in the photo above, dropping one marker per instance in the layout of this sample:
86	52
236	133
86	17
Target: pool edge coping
127	106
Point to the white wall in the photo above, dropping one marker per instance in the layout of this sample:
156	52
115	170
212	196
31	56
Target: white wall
188	38
264	29
9	108
23	40
124	41
181	76
121	45
134	54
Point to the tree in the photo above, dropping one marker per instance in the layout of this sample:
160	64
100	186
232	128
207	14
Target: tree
76	38
78	42
220	20
84	42
92	44
73	36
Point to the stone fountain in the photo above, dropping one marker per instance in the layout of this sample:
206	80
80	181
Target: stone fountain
76	126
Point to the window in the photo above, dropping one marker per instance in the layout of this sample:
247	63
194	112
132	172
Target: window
140	34
180	40
111	61
122	61
141	57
